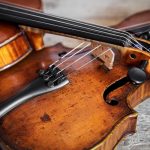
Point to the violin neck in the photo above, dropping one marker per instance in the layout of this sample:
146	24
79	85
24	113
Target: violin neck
61	25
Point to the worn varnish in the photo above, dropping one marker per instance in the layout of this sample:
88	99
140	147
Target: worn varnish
74	117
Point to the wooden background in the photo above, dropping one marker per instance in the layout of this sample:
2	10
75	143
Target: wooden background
106	12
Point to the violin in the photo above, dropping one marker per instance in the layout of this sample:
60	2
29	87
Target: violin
16	41
81	98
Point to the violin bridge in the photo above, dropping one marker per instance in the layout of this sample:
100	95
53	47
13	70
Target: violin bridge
107	59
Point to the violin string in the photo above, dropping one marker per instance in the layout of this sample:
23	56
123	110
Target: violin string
108	28
75	60
78	59
140	32
71	57
85	64
68	57
136	45
142	46
71	24
126	39
136	41
64	56
87	45
93	59
46	16
98	27
84	24
75	21
82	66
120	36
129	41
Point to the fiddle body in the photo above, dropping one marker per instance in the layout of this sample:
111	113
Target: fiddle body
63	122
10	51
16	43
78	116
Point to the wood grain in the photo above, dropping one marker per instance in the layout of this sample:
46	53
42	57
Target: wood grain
59	120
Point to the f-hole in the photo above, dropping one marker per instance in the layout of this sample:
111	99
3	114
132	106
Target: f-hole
113	87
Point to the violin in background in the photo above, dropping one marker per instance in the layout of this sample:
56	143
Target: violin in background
16	41
91	106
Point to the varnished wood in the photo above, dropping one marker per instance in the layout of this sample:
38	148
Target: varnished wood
14	48
35	38
11	52
10	29
76	116
34	4
63	116
136	19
